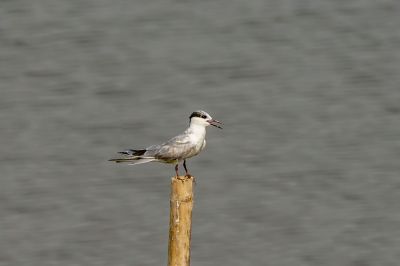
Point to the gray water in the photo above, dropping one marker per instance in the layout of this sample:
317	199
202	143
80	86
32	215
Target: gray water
305	172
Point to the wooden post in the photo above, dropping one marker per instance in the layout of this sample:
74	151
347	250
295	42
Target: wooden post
180	221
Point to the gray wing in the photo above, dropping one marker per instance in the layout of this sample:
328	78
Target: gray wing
176	148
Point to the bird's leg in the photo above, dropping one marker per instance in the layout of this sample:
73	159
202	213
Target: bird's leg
186	170
176	170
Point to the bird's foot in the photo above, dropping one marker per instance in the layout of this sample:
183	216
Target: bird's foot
188	176
181	177
185	177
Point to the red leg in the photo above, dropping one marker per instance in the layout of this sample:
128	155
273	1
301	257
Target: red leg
186	170
176	170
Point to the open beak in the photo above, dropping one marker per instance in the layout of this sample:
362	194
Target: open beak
215	123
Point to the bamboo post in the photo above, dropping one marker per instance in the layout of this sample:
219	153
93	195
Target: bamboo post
180	221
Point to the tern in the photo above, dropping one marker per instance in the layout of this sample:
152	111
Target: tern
179	148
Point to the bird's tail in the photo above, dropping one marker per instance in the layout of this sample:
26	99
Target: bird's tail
134	160
133	157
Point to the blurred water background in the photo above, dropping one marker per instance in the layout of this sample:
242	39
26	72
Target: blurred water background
305	172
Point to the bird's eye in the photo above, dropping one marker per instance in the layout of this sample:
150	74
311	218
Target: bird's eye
203	116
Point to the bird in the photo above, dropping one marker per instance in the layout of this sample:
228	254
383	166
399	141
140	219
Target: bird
176	150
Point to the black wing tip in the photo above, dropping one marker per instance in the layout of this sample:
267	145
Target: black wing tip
133	152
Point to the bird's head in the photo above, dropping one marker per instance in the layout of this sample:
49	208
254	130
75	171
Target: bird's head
203	118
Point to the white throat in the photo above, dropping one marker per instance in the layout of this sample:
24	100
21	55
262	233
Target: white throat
197	127
198	130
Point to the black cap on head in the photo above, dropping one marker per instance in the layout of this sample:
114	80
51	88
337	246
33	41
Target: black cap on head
200	114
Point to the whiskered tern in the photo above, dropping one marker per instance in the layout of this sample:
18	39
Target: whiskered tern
188	144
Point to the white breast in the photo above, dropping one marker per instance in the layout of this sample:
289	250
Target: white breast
204	144
198	143
197	134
